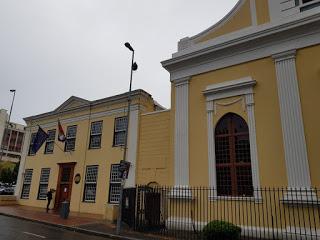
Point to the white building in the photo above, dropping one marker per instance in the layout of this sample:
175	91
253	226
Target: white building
11	137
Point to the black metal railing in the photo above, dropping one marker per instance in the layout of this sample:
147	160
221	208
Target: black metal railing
183	212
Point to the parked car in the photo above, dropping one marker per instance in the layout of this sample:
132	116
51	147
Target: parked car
6	189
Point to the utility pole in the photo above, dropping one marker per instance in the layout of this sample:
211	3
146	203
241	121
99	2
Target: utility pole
7	123
134	67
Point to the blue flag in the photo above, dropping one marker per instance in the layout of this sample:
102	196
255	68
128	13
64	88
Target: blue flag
40	138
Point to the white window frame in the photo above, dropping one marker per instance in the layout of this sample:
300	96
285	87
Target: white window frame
119	130
241	87
32	138
43	182
95	134
114	183
68	138
26	183
50	140
90	182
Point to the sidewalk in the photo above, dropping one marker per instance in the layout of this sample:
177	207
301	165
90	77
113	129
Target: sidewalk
86	223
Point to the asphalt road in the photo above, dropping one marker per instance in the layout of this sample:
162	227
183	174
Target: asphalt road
16	229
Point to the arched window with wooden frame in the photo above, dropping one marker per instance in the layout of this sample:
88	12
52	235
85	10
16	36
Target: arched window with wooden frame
233	160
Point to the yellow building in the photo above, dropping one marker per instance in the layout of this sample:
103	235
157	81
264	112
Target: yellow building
243	115
83	169
256	71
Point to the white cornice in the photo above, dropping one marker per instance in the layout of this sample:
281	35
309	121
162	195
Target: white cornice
121	98
232	85
247	45
53	122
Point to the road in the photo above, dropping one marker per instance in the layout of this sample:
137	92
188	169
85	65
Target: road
16	229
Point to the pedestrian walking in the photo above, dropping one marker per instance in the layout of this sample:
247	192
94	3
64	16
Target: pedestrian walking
49	197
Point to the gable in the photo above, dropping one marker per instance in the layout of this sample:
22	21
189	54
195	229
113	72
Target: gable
71	103
245	14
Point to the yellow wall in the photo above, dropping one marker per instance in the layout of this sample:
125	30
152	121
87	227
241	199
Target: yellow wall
154	146
268	125
83	156
262	7
239	20
308	70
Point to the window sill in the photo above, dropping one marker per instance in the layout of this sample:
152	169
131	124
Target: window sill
119	145
234	198
46	153
69	150
88	201
94	148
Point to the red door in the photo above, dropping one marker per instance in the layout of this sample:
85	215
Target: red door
64	184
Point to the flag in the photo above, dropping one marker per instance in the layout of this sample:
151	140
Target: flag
61	136
40	138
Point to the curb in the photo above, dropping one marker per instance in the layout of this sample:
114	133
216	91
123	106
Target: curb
74	229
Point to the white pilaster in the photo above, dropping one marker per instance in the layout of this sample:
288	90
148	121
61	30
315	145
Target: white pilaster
291	120
132	147
181	167
253	12
211	149
24	154
253	144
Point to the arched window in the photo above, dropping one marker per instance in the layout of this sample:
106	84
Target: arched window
233	162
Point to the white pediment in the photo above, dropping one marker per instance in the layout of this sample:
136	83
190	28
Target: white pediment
72	102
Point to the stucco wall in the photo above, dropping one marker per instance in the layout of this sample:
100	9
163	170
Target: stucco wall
154	161
268	125
308	71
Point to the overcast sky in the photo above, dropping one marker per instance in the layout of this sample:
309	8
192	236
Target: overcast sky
50	50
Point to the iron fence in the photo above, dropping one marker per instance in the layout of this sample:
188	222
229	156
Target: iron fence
183	212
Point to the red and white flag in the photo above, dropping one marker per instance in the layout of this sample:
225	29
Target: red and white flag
61	135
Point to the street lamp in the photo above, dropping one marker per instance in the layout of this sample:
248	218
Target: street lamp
7	122
134	67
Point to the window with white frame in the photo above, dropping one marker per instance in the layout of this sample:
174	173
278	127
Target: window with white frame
33	137
26	183
70	138
90	185
95	135
50	141
120	127
115	184
43	184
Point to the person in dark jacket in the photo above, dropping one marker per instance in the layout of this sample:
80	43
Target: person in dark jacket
49	197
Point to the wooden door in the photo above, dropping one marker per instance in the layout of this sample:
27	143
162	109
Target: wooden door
64	184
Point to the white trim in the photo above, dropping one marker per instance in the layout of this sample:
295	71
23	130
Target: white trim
132	147
244	46
295	147
253	144
181	142
229	88
24	153
294	233
86	117
155	112
219	24
243	86
253	12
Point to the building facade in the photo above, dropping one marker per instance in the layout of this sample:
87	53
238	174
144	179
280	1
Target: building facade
12	136
243	94
84	168
243	116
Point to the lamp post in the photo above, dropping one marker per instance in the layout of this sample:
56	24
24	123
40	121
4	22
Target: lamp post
7	122
134	67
